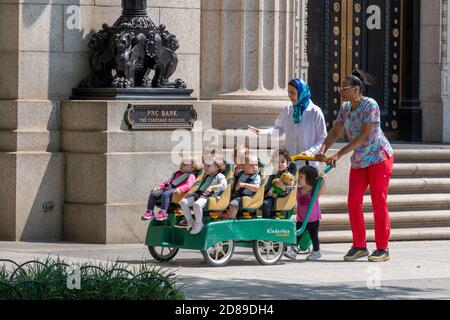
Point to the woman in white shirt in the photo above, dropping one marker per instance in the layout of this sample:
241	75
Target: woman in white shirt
302	123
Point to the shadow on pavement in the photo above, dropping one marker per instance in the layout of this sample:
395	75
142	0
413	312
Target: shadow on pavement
259	289
235	262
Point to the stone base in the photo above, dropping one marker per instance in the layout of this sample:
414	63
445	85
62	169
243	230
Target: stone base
31	171
100	224
446	120
28	181
132	94
110	170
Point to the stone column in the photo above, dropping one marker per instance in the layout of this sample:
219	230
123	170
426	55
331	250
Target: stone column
43	55
31	166
431	70
445	72
301	41
248	57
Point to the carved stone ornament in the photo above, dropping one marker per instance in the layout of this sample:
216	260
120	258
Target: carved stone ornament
132	53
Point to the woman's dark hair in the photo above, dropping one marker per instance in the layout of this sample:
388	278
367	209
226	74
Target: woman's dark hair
360	78
292	83
311	175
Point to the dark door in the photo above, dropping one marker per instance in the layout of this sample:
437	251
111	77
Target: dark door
377	36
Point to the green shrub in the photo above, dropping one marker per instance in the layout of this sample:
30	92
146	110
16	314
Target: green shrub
48	280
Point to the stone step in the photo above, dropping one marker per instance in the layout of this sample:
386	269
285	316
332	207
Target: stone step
399	219
422	155
397	202
419	185
421	170
412	234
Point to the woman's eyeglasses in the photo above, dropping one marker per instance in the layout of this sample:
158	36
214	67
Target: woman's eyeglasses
340	89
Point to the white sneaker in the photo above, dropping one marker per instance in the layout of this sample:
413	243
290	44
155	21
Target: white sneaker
314	256
190	225
291	253
301	251
197	228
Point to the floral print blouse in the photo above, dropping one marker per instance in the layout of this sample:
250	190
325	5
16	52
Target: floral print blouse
377	147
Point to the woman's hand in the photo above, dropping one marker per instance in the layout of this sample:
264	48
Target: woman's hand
324	176
320	157
305	154
178	192
156	189
334	159
255	130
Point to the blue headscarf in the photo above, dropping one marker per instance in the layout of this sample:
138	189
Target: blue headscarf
304	97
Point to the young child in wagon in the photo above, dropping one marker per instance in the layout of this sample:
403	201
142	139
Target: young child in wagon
308	179
212	185
280	184
180	182
246	183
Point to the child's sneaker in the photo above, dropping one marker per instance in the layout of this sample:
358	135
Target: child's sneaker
161	216
148	216
314	256
303	251
189	226
182	223
198	227
291	253
185	224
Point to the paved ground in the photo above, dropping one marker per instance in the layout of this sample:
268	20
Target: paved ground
418	270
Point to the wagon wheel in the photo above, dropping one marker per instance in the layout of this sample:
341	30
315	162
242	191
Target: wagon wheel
268	252
220	254
163	254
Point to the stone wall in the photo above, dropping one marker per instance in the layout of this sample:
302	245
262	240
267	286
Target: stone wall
248	57
110	170
46	50
43	55
431	70
445	72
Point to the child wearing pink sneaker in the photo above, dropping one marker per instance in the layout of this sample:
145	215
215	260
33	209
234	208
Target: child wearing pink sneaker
307	182
180	182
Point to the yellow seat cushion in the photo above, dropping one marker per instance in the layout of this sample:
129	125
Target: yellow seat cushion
221	204
255	202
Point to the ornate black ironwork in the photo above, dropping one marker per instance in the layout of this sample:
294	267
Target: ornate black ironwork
123	55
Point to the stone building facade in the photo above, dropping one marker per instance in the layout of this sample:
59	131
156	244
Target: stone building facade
237	55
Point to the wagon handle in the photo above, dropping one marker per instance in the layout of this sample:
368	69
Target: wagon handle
313	200
309	158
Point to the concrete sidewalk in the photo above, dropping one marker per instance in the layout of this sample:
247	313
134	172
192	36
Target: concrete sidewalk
417	270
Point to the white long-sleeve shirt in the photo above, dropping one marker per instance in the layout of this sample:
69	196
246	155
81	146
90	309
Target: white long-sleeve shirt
306	136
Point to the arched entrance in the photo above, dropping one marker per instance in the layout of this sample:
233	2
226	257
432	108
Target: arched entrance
381	37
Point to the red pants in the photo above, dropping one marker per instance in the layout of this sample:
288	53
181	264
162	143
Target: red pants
378	177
